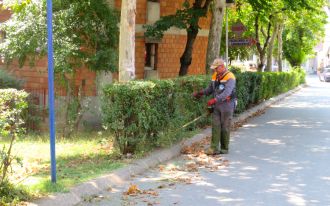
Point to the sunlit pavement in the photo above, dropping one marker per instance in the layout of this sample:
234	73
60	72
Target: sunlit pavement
278	158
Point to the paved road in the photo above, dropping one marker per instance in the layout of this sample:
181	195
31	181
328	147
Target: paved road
279	158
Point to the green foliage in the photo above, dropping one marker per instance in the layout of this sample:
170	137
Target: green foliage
8	81
245	13
301	34
85	32
303	21
253	87
33	114
12	106
10	195
140	113
186	18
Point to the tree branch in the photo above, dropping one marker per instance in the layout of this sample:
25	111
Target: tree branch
207	4
256	25
268	32
263	32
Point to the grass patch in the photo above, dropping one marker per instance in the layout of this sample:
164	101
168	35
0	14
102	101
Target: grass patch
78	159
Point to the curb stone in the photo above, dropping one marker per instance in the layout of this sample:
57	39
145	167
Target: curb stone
120	176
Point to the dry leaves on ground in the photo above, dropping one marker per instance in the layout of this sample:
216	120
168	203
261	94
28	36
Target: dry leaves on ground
197	147
198	159
133	190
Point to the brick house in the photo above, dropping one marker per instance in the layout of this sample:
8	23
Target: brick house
153	59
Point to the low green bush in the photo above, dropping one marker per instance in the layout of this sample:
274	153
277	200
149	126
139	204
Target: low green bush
8	81
13	104
34	113
140	112
11	195
12	107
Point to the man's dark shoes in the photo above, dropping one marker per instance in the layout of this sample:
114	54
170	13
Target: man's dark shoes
223	151
211	151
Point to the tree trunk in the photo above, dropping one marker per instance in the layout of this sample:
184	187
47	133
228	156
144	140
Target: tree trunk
262	49
68	99
280	47
127	41
270	49
8	159
262	61
214	42
186	57
192	32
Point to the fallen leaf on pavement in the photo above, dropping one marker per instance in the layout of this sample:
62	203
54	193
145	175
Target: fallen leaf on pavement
161	168
132	190
225	163
185	180
150	192
191	167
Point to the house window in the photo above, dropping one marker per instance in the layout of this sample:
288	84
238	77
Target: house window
151	53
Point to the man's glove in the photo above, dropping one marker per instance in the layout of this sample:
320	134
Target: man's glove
199	94
211	102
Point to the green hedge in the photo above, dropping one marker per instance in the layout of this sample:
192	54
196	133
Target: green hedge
139	113
254	87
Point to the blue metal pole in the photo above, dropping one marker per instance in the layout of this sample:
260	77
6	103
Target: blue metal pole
51	96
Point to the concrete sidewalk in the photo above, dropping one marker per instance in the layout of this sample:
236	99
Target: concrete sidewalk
121	176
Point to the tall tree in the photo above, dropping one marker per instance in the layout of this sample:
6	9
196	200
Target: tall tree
127	41
259	20
262	48
239	14
264	11
271	46
186	18
280	47
214	42
302	32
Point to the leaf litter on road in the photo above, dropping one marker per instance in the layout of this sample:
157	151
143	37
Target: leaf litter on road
183	173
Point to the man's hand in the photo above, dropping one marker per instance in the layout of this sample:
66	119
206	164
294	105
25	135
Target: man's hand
199	94
211	102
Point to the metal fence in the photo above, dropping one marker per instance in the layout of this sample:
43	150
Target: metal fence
37	112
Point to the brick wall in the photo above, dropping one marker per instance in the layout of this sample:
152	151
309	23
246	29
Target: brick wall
169	7
139	56
169	52
36	77
172	46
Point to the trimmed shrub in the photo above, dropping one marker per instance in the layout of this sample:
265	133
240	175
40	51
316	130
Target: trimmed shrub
140	112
